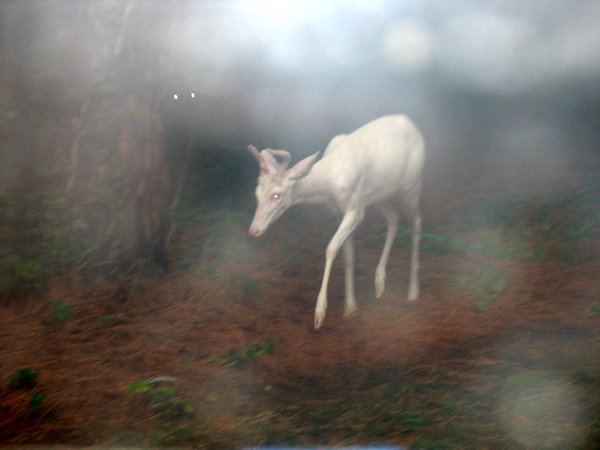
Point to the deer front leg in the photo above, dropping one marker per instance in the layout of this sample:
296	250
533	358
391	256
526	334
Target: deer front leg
413	282
351	219
410	207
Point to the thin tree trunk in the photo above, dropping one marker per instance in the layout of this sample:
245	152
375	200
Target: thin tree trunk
77	122
146	187
181	180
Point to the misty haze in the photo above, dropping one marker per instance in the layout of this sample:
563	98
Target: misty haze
152	296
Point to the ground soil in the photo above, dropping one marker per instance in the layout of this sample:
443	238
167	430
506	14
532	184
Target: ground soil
231	329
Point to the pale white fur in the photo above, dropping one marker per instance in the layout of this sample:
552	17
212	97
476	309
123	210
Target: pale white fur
379	165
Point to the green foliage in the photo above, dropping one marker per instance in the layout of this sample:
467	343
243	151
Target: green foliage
281	435
295	261
443	244
141	387
523	381
412	421
517	229
104	318
587	377
62	310
22	275
288	249
46	228
22	239
321	415
554	229
485	283
36	403
240	358
512	243
24	378
396	318
162	399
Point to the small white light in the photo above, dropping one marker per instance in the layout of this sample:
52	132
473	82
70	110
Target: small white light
193	95
175	96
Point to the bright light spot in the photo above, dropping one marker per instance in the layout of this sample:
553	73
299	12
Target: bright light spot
578	46
193	95
407	46
496	53
175	96
273	11
294	35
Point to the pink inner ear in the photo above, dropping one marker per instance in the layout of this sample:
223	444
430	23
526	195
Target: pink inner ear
302	168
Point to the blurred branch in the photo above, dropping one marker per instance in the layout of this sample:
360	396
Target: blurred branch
77	122
121	38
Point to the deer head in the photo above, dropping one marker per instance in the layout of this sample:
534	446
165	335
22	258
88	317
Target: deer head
275	188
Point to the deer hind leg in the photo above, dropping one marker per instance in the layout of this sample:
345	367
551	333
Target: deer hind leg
392	216
351	219
411	209
350	302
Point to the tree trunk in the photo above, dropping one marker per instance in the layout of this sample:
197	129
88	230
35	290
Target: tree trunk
147	184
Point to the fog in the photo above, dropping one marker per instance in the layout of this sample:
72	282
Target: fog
97	97
515	85
293	74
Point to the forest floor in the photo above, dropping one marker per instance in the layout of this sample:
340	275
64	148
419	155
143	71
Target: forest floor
502	349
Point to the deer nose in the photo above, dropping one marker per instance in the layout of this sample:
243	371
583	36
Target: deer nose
254	231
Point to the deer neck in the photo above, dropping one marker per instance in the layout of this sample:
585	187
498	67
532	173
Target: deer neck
313	188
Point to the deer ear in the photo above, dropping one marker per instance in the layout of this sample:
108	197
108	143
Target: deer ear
302	168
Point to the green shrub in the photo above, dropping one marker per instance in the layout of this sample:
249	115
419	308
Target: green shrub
241	358
24	378
485	283
162	398
62	310
36	403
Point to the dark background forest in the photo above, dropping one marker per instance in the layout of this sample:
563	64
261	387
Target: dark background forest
126	189
98	153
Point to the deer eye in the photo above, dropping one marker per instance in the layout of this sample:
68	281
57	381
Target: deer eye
275	196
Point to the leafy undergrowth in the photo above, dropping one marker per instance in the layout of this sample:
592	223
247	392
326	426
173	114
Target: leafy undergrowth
555	230
500	351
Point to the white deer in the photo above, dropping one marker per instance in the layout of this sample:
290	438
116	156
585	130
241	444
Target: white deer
379	164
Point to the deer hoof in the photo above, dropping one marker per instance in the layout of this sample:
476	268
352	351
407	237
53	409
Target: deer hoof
349	309
319	319
379	285
413	295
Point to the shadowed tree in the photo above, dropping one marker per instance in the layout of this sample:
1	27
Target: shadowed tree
87	175
127	107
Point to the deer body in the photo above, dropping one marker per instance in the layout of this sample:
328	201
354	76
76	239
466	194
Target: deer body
377	165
